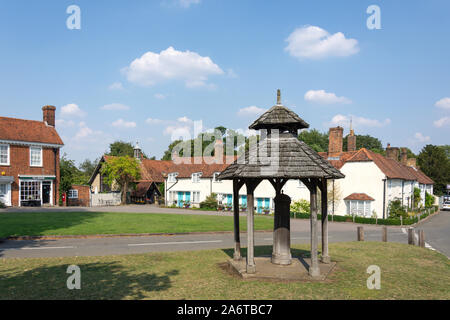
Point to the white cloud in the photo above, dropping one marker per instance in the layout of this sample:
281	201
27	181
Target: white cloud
188	3
116	86
184	120
251	111
85	133
312	42
445	121
444	103
72	110
170	64
153	121
64	123
159	96
120	123
115	107
322	97
421	138
178	132
358	122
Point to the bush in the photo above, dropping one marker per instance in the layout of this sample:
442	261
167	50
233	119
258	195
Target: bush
429	200
210	202
2	205
396	210
300	206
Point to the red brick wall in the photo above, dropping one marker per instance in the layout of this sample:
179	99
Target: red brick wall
84	197
20	165
335	140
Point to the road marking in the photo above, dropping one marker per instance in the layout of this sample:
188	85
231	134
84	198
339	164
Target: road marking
42	248
294	238
416	240
174	242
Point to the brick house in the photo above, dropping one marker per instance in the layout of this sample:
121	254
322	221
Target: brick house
29	160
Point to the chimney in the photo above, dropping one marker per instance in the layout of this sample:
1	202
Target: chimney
218	151
411	162
49	115
351	141
335	140
392	152
404	156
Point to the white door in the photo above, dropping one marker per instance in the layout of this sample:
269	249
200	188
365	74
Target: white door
5	194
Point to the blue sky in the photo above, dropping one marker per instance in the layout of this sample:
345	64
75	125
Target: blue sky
145	70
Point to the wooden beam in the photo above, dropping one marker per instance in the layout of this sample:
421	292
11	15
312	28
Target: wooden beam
237	240
251	267
324	201
314	270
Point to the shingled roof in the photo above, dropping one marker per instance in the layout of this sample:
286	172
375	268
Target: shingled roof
279	117
21	130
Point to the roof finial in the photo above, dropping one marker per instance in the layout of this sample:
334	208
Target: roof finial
278	97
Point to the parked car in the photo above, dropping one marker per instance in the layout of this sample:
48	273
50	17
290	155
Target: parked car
446	203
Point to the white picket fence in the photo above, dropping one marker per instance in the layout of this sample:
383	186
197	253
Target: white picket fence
106	199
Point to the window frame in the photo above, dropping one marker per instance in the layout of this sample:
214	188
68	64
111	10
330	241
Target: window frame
72	191
215	174
196	176
8	155
41	156
172	177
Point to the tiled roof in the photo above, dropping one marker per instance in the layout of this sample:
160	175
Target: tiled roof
28	131
359	196
421	177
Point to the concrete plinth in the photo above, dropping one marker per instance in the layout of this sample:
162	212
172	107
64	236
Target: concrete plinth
296	271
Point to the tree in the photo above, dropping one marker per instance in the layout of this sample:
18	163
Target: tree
429	200
69	174
416	197
435	163
87	168
334	194
368	142
121	149
168	153
396	209
123	171
316	140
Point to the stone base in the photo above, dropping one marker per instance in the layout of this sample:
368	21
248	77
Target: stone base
265	269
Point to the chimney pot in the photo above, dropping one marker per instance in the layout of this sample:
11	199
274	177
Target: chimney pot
335	140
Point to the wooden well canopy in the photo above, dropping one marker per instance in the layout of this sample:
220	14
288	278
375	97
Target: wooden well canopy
278	157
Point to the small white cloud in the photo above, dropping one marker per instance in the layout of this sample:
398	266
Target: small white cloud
72	110
187	3
159	96
421	138
178	132
120	123
322	97
115	107
231	74
153	121
444	103
445	121
184	120
250	111
312	42
358	122
170	64
116	86
64	123
85	133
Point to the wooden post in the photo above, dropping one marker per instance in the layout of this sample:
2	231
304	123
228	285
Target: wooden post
360	231
411	239
251	267
401	220
421	239
384	237
325	256
314	270
237	240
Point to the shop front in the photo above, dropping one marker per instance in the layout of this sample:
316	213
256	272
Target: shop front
36	191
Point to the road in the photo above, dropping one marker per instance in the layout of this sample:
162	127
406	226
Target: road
437	231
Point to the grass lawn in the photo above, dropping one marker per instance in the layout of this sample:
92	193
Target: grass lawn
89	223
407	272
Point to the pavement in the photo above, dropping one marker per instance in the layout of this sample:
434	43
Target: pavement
437	233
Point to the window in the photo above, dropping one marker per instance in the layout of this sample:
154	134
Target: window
2	189
35	157
196	177
30	190
4	154
196	196
215	177
172	177
358	208
301	184
73	194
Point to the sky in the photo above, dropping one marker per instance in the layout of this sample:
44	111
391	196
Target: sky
148	70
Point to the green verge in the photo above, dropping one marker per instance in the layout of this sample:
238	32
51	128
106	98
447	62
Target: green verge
91	223
407	272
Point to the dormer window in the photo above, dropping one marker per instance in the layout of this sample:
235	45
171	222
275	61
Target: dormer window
215	177
196	177
172	177
4	154
35	157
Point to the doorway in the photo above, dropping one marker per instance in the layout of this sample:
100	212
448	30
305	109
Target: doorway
46	192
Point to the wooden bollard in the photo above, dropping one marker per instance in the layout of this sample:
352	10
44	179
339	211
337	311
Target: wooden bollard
421	239
384	237
360	231
401	220
411	239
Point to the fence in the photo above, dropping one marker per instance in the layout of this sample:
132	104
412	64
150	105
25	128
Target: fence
106	199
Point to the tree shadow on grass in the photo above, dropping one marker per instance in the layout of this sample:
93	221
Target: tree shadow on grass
264	251
109	281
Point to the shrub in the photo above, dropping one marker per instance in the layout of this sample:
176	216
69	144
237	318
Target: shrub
301	206
429	200
210	202
396	210
2	205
